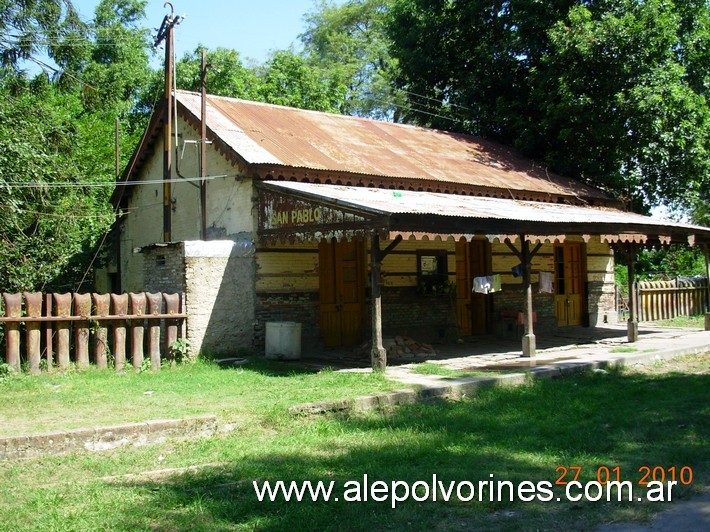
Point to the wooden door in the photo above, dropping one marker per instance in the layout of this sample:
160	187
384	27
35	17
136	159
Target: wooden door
472	310
342	292
569	284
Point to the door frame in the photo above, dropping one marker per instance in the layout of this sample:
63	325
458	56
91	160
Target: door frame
330	278
567	279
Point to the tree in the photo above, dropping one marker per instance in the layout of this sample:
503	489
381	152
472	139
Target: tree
613	93
57	135
226	74
31	26
350	42
287	79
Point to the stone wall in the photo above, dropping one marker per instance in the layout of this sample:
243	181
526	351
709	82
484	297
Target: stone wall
219	289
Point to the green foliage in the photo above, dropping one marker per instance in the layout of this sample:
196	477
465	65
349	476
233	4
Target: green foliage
226	74
55	135
662	264
350	42
29	27
613	93
287	79
180	350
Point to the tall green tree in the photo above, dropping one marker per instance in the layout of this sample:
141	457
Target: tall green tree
31	27
350	42
57	143
288	79
226	73
610	92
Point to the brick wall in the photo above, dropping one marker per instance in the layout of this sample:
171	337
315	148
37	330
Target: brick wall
301	307
163	268
426	318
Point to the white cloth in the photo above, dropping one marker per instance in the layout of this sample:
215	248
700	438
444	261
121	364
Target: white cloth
545	280
481	285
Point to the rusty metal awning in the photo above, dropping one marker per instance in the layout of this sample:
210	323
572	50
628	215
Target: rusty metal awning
307	211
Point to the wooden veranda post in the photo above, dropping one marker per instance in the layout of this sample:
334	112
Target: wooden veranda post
378	352
529	347
525	255
632	326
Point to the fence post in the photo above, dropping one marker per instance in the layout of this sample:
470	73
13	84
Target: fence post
138	309
13	309
49	332
63	308
82	307
155	302
101	306
33	303
172	306
119	303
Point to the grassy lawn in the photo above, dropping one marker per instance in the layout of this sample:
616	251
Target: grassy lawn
690	322
54	401
649	416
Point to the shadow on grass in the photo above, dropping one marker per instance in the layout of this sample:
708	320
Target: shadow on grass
514	434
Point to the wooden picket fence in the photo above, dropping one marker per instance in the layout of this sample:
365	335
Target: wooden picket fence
662	300
55	330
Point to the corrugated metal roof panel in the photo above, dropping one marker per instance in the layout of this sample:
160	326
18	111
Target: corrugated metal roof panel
271	134
390	202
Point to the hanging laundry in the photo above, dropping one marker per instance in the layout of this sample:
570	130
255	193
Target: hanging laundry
517	270
545	281
481	285
495	283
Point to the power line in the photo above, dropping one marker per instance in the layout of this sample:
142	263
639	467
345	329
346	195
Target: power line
78	184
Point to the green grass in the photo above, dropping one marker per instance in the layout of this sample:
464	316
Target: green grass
623	349
93	397
690	322
657	415
429	368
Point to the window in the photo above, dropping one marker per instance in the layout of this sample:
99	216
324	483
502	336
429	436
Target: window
432	271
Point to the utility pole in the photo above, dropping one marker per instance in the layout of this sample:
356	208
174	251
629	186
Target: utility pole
165	33
203	148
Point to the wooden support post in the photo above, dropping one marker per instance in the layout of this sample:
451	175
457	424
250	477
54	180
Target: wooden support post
172	306
155	303
378	354
529	347
82	307
525	255
119	304
101	308
13	309
137	330
62	303
49	332
632	326
33	306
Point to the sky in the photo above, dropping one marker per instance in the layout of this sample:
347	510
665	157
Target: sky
251	27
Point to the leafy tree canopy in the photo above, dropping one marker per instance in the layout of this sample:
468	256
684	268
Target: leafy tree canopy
350	42
57	134
610	92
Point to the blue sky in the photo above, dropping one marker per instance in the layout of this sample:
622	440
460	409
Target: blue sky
252	27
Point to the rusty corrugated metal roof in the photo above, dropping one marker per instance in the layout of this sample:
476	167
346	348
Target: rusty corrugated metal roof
264	134
377	202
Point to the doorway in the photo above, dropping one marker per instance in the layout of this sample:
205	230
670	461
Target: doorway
342	292
473	259
569	284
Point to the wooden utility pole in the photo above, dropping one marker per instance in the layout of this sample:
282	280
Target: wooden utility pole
165	33
203	149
